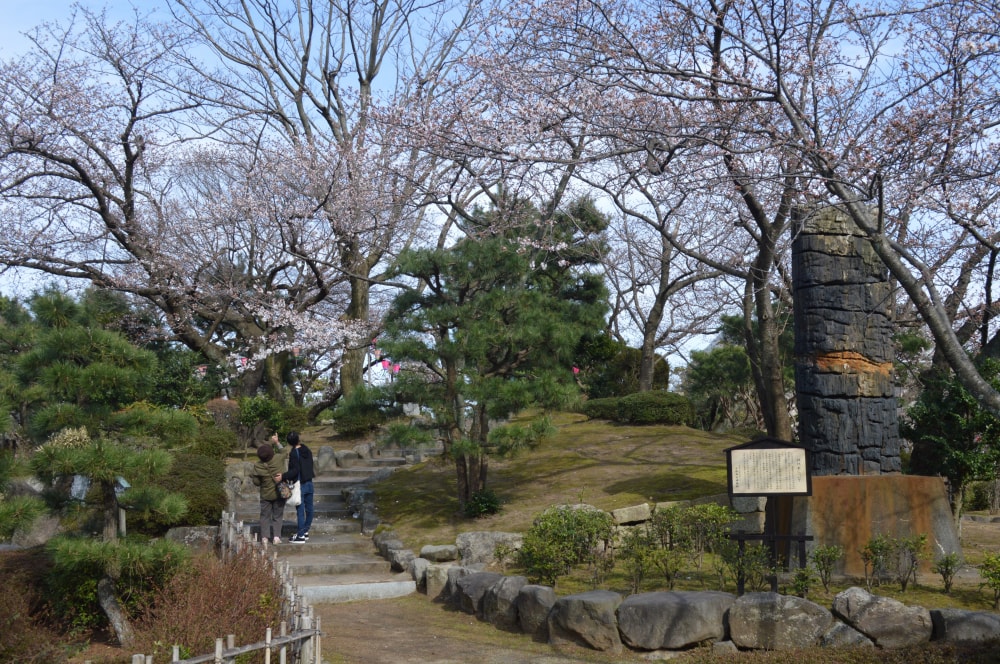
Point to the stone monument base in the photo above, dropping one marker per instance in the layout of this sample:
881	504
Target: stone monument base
849	510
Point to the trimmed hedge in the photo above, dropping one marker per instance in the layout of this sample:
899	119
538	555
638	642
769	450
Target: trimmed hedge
600	409
655	407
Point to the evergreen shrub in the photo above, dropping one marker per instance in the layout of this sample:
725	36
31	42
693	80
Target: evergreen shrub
201	480
363	410
482	503
562	537
600	409
656	407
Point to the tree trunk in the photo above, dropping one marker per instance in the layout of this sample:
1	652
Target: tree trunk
352	370
112	609
109	503
957	504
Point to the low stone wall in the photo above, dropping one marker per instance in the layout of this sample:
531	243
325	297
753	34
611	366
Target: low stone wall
660	623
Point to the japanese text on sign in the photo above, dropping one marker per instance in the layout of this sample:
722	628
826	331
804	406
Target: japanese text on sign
761	472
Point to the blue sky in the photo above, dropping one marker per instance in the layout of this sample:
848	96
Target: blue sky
20	16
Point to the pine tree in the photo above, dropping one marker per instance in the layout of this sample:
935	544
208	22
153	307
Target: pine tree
494	325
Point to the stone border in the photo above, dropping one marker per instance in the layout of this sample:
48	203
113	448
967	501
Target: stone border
669	621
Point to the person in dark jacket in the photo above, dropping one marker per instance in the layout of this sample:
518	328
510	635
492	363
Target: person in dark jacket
266	474
300	469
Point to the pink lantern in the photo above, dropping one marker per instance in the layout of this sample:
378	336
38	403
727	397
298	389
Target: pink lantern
576	370
395	368
385	364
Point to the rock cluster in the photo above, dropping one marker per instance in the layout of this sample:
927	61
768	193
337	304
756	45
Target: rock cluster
663	622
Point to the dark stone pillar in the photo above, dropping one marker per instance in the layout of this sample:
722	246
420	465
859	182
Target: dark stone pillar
844	375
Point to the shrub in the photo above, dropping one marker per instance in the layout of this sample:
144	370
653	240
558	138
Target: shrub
294	418
656	407
201	480
225	413
825	558
802	581
600	409
875	556
187	611
400	435
214	442
511	438
482	503
561	537
693	530
638	553
363	410
172	427
906	554
78	564
947	566
989	570
25	636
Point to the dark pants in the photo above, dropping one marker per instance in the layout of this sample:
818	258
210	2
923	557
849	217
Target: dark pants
304	511
270	518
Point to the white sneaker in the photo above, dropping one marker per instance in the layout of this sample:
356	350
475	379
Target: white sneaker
277	540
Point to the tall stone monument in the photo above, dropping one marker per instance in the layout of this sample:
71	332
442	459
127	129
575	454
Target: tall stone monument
843	349
845	391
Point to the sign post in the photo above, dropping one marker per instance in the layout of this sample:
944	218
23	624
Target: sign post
769	468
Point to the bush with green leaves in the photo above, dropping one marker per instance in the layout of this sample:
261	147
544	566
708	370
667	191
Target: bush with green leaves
138	568
875	555
482	503
692	529
562	537
825	558
600	409
508	439
17	513
363	410
906	554
637	554
752	565
989	570
170	426
404	436
654	407
213	442
947	566
802	581
201	480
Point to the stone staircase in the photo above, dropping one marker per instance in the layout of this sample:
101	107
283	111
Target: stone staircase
339	563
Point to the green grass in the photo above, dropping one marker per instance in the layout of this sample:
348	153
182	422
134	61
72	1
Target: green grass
612	466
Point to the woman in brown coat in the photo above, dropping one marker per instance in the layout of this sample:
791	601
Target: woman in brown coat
266	474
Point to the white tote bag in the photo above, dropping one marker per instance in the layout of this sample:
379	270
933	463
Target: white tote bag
296	498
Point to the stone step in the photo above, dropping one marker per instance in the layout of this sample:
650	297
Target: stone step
341	567
348	588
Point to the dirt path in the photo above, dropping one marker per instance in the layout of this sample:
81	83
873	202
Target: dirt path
415	630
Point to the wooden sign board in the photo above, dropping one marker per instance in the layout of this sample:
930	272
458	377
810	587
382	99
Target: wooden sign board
768	467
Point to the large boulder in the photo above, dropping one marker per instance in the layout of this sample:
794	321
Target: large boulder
439	553
499	602
673	620
842	635
634	514
887	622
588	619
961	626
470	589
771	621
400	559
436	578
533	604
326	460
418	570
480	547
450	593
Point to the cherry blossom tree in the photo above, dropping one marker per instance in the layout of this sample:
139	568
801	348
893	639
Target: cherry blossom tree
886	110
101	181
344	82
